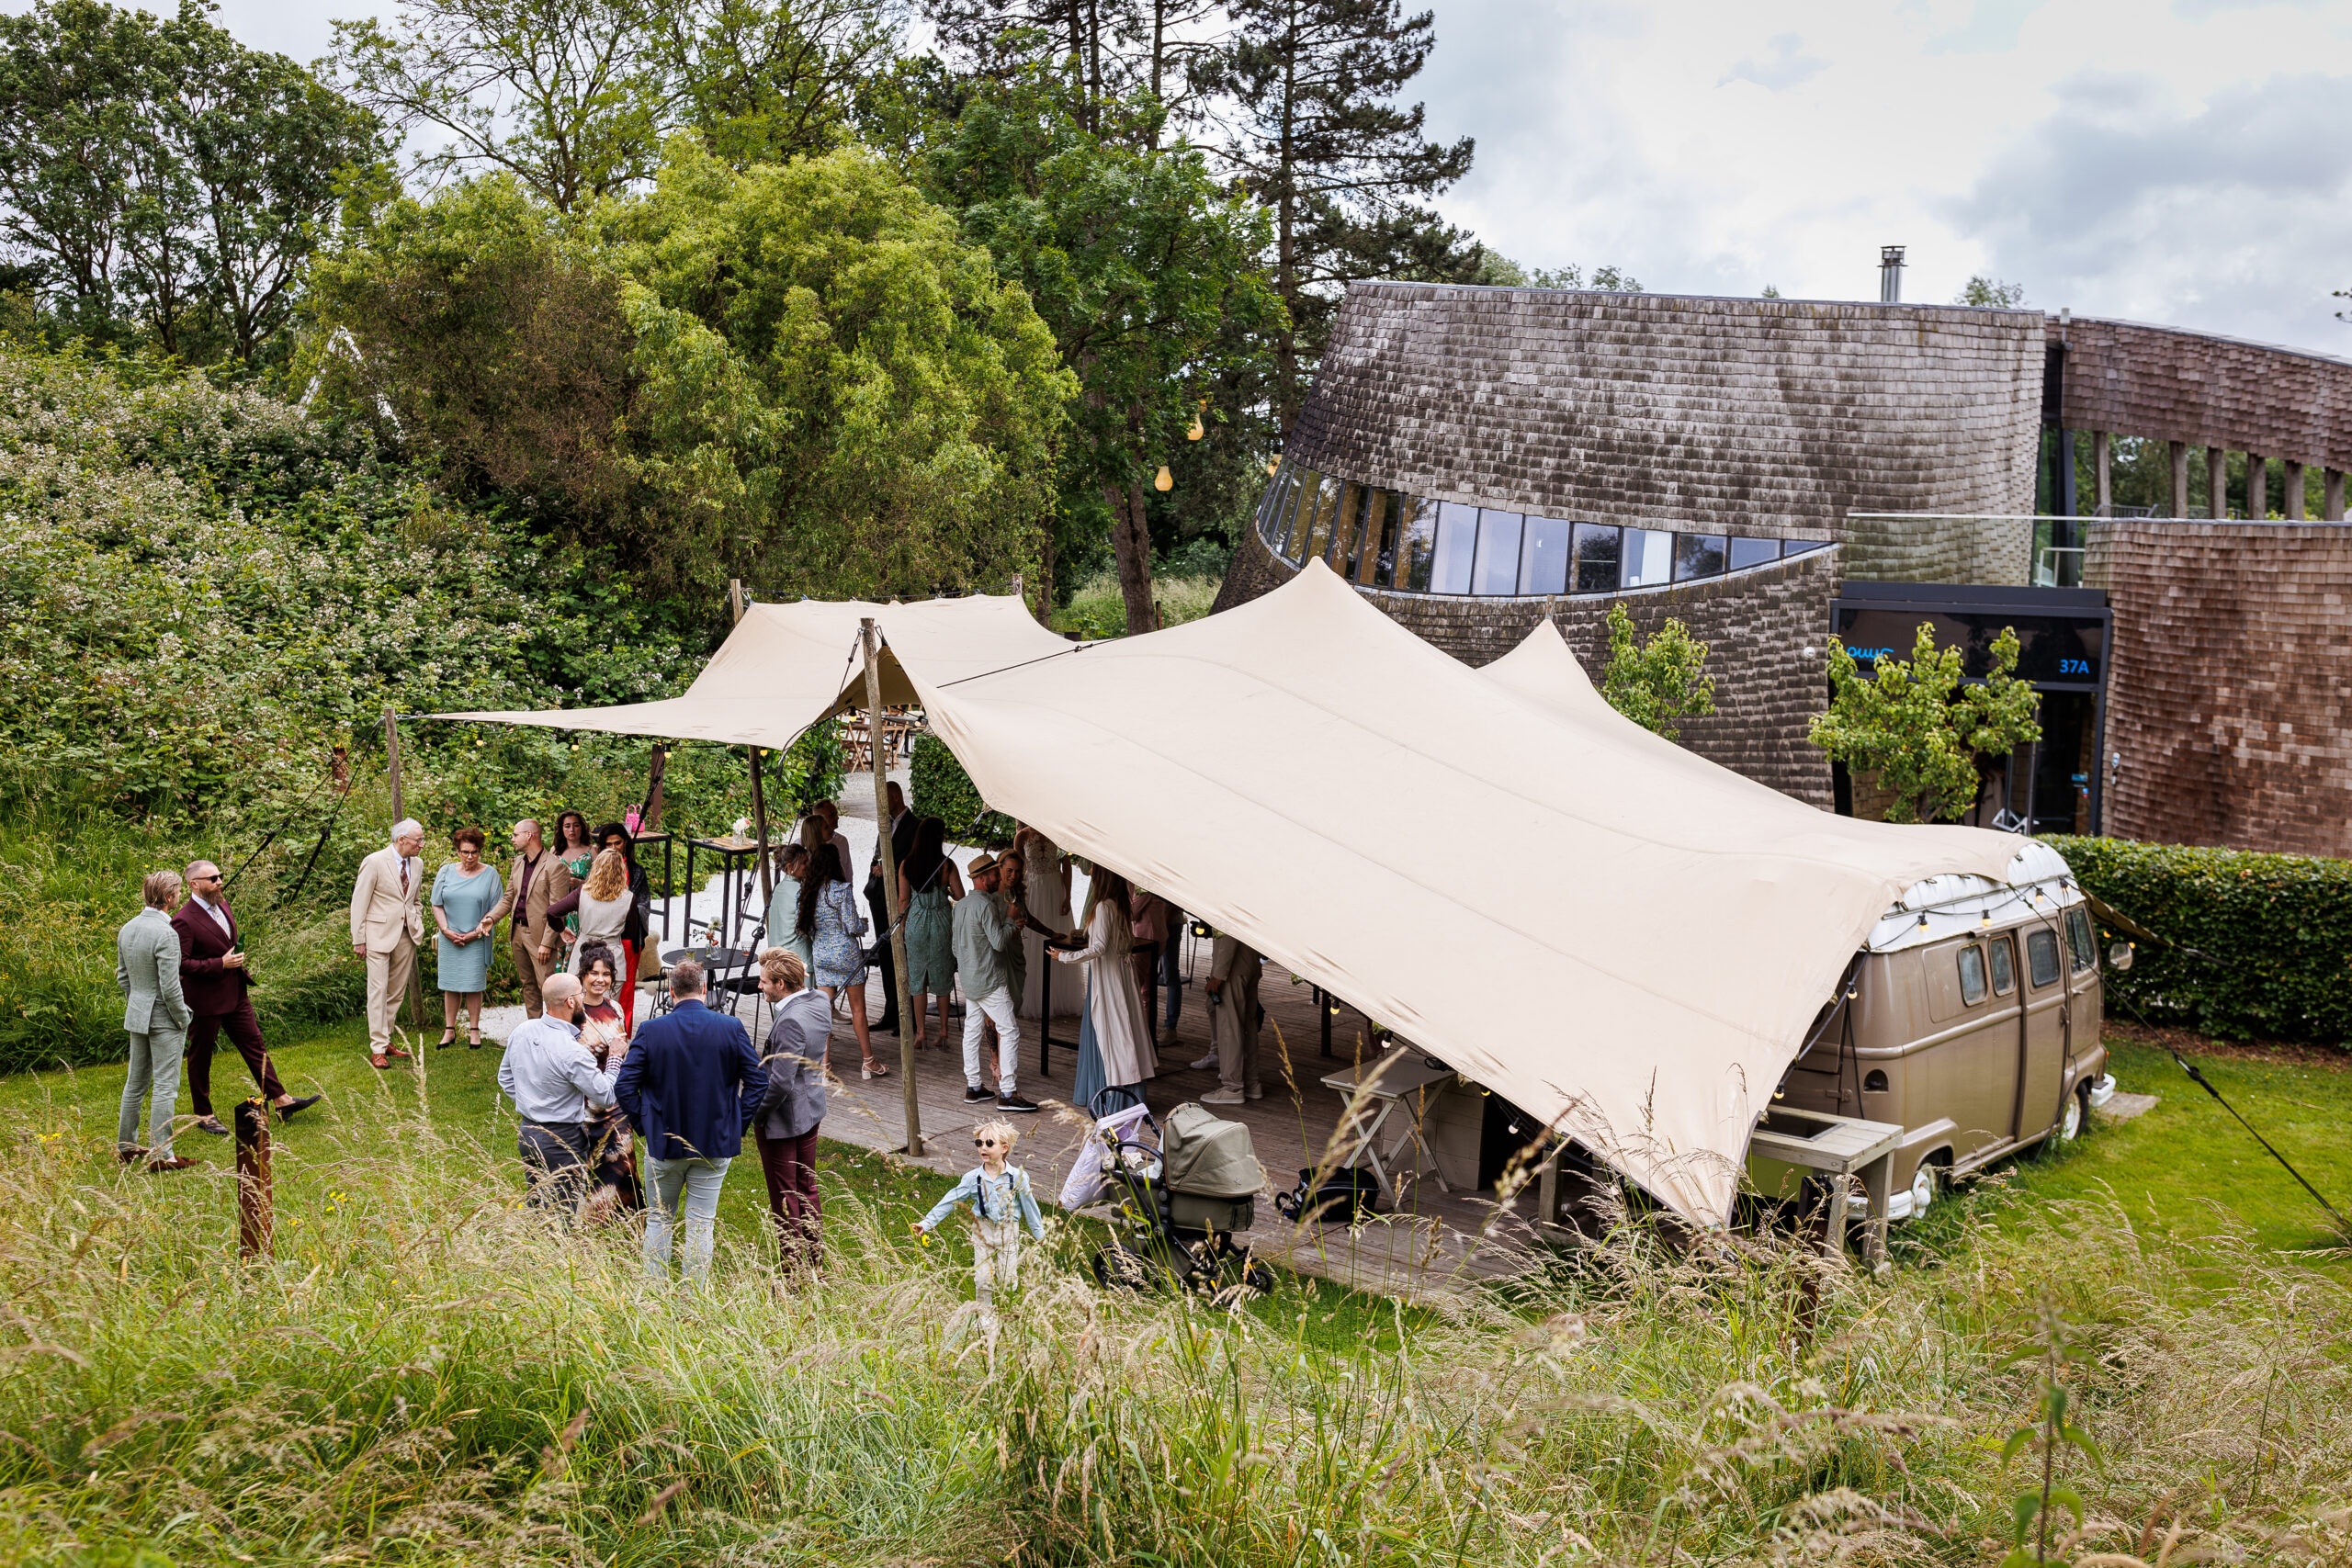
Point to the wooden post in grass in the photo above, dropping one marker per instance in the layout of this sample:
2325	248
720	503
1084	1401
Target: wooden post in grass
254	1224
907	1013
415	997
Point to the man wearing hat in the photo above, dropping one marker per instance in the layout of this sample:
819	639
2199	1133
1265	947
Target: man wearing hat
983	937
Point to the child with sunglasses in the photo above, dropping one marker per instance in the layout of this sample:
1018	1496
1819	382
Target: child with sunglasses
999	1200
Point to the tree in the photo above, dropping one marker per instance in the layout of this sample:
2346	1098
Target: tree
795	375
1496	269
1919	729
1984	290
836	394
1660	683
575	98
165	182
1141	266
1321	142
562	95
1110	50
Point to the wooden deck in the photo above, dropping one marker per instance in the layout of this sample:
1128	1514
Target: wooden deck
1434	1244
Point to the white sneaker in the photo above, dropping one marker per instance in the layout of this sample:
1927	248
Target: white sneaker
1222	1096
1207	1064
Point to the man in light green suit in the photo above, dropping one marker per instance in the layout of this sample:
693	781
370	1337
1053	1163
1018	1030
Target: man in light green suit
155	1015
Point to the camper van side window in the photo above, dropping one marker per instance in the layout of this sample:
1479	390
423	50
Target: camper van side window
2004	966
2078	939
1972	975
2041	956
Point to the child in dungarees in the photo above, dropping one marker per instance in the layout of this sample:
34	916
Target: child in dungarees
1001	1202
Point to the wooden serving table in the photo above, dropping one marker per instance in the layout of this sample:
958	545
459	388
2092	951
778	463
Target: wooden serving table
1836	1147
1396	1080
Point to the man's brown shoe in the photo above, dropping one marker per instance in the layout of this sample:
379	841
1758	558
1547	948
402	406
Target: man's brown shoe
177	1162
379	1061
132	1155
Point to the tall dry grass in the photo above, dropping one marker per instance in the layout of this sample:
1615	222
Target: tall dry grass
428	1373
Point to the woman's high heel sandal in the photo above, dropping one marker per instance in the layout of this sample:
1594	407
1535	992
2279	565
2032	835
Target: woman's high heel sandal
873	1069
473	1038
448	1038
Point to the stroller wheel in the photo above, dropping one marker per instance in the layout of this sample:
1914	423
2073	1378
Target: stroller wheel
1117	1265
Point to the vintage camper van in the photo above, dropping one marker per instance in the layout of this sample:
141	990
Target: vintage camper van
1971	1018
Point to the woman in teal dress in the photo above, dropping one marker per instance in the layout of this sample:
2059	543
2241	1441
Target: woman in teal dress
784	907
927	881
463	893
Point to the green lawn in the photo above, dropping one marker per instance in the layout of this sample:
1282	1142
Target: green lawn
314	1157
2187	1166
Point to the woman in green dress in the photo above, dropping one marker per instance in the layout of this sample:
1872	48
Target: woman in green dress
577	850
927	881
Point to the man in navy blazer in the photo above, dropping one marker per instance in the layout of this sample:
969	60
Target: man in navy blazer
689	1086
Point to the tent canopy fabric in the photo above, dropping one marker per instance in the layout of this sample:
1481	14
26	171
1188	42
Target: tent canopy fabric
1624	940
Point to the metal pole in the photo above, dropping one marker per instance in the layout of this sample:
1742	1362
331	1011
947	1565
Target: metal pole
907	1015
415	997
759	797
253	1226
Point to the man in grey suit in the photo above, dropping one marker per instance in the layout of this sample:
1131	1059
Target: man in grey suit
155	1015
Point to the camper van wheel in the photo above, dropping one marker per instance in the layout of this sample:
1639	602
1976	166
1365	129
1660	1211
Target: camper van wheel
1923	1187
2078	1113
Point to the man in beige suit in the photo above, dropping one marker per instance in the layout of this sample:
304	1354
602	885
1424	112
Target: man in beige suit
538	878
386	925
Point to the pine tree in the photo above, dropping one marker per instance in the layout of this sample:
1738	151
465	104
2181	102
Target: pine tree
1109	49
1322	142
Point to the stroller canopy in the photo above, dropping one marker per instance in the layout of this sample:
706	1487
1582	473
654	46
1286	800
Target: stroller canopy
1204	1156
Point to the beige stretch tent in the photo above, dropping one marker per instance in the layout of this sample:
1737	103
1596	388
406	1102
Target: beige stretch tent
1611	933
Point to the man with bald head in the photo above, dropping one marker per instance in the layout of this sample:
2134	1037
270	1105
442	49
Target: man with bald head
538	878
214	978
386	925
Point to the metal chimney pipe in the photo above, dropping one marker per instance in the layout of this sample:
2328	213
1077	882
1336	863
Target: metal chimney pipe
1889	274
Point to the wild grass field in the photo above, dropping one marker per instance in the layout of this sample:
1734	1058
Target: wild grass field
426	1372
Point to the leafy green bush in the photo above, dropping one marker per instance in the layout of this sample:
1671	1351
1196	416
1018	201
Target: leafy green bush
2277	931
942	789
1097	609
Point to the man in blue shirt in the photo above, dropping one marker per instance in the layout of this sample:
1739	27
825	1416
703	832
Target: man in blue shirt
553	1081
689	1086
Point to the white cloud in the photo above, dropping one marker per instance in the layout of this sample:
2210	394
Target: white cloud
2120	160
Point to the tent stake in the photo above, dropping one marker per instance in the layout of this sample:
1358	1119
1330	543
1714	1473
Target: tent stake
890	883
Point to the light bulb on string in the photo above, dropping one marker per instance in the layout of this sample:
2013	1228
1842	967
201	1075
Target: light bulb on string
1273	466
1198	430
1166	481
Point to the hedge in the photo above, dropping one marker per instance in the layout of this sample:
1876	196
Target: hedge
942	789
2276	930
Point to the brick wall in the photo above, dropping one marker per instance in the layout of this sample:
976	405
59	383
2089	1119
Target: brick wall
1756	624
2208	391
2229	686
1664	411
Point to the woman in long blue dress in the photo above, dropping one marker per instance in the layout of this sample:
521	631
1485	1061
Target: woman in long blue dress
828	918
464	892
784	909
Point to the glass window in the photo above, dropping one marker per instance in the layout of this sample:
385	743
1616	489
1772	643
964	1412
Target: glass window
1698	555
2042	957
2078	939
1496	570
1379	550
1746	553
1649	556
1314	518
1544	557
1417	543
1972	975
1801	546
1457	538
1347	522
1270	505
2005	965
1297	507
1597	547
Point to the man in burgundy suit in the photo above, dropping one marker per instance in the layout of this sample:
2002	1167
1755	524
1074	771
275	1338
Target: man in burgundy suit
214	978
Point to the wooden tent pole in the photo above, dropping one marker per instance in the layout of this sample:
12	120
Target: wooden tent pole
907	1015
759	796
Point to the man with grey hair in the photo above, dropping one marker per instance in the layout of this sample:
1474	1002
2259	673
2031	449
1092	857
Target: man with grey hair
386	925
690	1086
554	1082
155	1015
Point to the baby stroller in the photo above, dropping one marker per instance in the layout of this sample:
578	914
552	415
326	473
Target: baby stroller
1182	1203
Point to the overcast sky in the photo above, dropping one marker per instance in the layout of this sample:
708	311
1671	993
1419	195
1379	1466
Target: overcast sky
2175	160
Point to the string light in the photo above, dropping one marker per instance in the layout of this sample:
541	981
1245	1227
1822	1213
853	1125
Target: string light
1166	481
1273	464
1197	431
